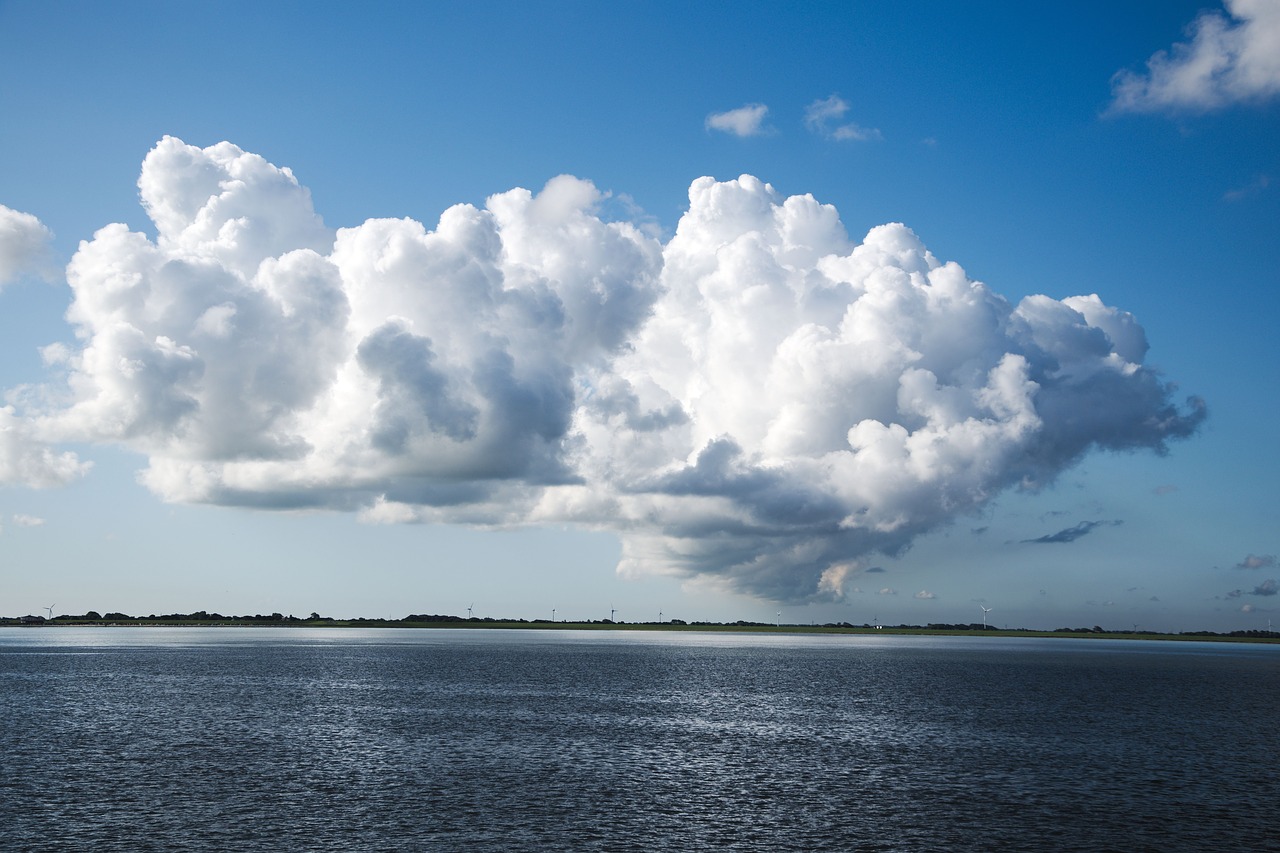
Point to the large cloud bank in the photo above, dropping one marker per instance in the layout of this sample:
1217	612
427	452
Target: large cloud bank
760	400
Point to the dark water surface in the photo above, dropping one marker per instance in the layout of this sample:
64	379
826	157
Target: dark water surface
310	739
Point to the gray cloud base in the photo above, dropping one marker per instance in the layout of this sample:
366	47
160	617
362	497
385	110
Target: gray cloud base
759	401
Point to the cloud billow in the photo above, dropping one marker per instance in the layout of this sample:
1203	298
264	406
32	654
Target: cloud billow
760	401
1230	59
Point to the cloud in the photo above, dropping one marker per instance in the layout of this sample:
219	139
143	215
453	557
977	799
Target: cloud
1257	561
1267	587
27	520
925	595
1231	58
24	246
1071	534
746	120
26	460
761	401
825	117
1166	489
1255	186
887	591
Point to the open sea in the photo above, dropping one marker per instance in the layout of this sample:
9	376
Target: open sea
133	739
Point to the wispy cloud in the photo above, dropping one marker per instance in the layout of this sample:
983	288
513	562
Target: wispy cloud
27	520
825	117
925	595
746	120
1265	589
1231	58
1255	186
1257	561
1071	534
888	590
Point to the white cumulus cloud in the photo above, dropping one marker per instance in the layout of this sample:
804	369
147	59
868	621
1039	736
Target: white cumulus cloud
24	246
1229	59
762	401
26	460
746	120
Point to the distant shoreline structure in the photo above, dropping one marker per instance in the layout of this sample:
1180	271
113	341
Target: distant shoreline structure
202	619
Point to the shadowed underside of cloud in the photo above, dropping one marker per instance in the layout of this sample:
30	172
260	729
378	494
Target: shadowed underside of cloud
1071	534
760	401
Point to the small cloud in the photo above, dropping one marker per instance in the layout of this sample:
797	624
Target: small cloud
1257	561
824	117
1257	185
24	246
1230	59
1235	593
925	595
1166	489
27	520
1071	534
888	590
746	120
875	570
1154	598
1246	608
978	531
1267	587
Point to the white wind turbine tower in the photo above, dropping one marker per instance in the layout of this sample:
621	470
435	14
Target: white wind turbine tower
985	611
473	604
50	609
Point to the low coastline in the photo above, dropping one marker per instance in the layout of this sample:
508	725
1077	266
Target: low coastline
277	621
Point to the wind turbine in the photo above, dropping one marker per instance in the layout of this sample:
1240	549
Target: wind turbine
50	609
779	619
473	604
612	611
985	611
553	614
660	619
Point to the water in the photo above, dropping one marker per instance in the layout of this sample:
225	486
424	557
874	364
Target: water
250	739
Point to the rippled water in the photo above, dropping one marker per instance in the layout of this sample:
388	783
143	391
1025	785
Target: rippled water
311	739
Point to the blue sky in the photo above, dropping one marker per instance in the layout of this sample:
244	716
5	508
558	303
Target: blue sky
656	416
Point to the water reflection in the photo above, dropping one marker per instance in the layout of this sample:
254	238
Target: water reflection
328	739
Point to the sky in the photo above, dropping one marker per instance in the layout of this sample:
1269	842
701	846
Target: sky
816	312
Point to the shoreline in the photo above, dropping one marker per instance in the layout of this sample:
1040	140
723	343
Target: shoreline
544	625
